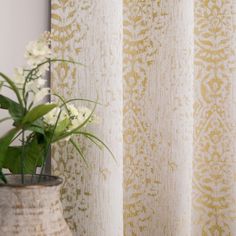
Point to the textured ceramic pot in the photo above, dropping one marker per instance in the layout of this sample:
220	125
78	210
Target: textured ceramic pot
32	209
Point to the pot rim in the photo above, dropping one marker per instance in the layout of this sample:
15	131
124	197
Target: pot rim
46	181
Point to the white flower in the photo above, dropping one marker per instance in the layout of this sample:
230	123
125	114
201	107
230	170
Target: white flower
37	90
84	113
72	110
34	86
42	70
37	52
41	82
73	115
40	95
95	119
51	117
31	86
77	116
19	76
63	115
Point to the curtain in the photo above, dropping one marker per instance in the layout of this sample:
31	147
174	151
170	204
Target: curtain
164	71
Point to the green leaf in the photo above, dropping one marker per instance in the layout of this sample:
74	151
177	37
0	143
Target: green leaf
99	145
61	126
66	61
5	102
13	87
2	176
4	119
94	138
86	120
12	160
75	130
77	147
1	84
33	156
65	102
5	142
13	107
37	112
37	127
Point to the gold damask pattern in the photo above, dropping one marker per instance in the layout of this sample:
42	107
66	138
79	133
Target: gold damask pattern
163	105
64	28
158	82
89	31
214	209
140	142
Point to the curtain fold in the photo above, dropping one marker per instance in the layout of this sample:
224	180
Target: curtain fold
164	71
90	32
214	115
158	122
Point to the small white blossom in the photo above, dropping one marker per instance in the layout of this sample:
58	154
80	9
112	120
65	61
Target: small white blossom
41	82
19	76
40	95
84	113
72	110
51	117
36	85
37	52
95	119
73	115
42	70
77	116
32	86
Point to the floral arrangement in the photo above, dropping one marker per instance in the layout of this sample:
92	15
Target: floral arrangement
37	124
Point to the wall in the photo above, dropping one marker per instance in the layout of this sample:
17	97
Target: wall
20	22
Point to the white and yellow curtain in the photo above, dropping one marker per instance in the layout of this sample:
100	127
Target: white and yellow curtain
164	71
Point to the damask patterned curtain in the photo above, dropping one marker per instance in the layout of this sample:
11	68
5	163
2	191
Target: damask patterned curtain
164	71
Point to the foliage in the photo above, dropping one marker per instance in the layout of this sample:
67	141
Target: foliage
35	124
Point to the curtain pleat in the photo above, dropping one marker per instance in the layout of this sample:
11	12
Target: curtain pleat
214	167
158	121
164	71
90	32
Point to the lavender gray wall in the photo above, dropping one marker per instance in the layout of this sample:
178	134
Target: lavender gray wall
20	22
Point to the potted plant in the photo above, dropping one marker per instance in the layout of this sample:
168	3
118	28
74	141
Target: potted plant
29	199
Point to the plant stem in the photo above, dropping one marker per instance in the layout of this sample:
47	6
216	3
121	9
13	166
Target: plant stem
36	68
22	157
15	137
48	147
